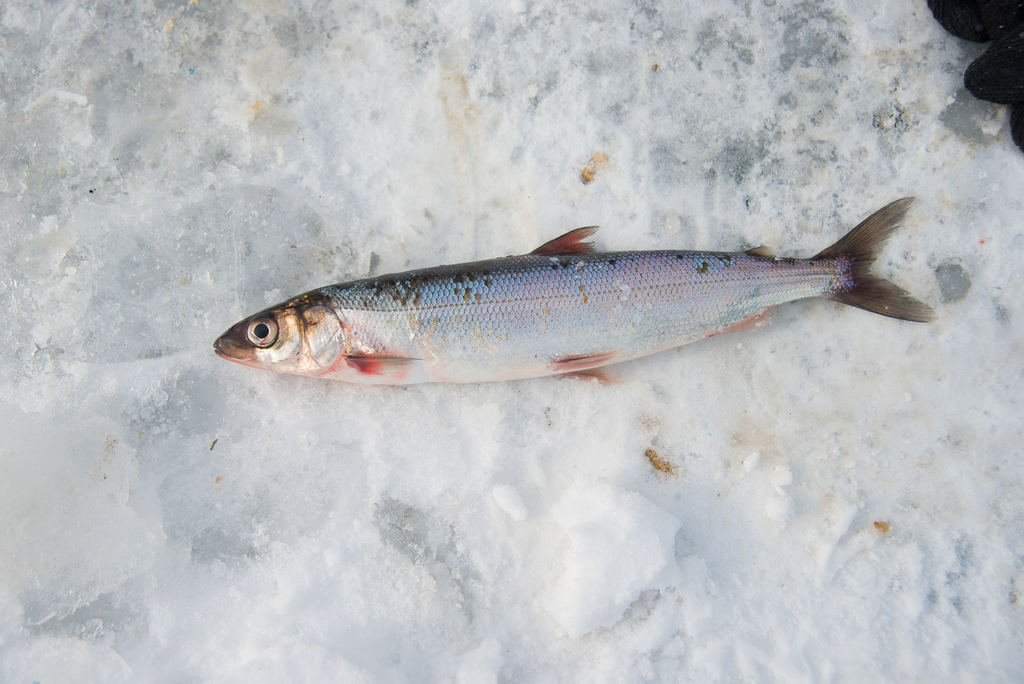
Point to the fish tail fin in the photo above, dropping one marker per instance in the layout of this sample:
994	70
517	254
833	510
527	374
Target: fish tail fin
862	245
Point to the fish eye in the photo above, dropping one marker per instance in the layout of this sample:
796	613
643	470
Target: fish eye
263	332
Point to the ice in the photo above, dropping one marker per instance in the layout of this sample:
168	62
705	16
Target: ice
779	508
510	501
839	495
620	544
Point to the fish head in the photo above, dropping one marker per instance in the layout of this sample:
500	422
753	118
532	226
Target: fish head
302	337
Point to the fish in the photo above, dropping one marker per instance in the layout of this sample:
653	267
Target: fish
564	309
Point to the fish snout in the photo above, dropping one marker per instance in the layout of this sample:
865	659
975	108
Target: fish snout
233	345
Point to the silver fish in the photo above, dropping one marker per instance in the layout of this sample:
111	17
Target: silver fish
562	309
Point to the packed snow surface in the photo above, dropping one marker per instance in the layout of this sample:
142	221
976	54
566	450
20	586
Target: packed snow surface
835	498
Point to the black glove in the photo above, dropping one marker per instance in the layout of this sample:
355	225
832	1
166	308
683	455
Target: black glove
998	75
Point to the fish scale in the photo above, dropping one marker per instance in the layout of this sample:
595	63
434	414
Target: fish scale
560	310
626	303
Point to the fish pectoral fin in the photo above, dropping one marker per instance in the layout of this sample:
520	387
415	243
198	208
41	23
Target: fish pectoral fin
371	364
570	243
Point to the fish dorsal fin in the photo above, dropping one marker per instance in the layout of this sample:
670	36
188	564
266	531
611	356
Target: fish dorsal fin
570	243
761	251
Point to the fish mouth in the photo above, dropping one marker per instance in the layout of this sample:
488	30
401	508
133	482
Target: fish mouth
228	346
222	348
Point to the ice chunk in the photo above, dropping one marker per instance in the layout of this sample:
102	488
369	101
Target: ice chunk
751	461
508	500
782	476
480	665
620	544
779	509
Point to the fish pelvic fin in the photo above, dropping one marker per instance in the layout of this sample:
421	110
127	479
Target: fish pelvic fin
861	246
585	367
602	376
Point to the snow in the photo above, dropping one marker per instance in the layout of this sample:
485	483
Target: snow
839	495
620	545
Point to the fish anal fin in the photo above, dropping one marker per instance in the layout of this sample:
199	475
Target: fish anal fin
759	319
761	251
570	243
369	364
